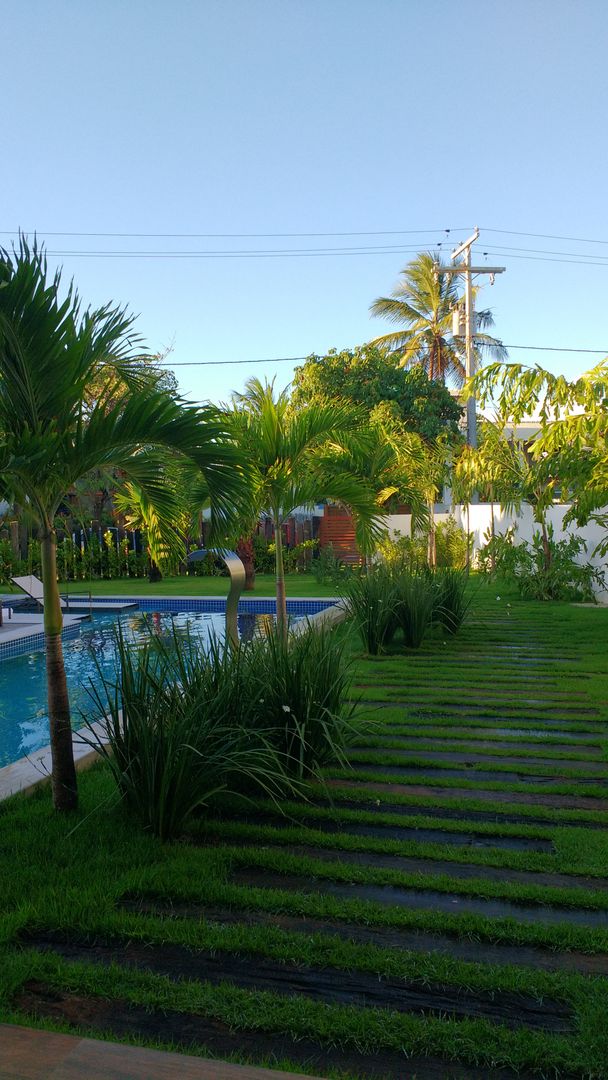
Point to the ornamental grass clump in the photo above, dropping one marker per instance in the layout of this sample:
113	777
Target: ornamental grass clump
302	687
414	601
450	600
174	718
370	599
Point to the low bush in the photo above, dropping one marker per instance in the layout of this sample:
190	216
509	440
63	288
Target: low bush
390	596
546	569
453	547
329	569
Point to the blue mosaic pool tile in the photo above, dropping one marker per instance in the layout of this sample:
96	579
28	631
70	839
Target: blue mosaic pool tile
265	606
33	643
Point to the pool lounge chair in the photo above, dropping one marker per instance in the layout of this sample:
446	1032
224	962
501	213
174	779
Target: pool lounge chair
34	589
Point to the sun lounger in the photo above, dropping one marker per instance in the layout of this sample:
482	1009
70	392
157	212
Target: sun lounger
34	589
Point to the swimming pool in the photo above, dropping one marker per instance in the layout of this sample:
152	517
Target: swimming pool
23	713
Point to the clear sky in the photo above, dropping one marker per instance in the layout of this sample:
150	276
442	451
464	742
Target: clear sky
402	117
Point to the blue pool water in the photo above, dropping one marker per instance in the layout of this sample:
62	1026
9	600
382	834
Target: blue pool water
23	714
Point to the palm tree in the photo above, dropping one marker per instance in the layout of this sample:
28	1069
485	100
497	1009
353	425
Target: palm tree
421	306
51	435
297	459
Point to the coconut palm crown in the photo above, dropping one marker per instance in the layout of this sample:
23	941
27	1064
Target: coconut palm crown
421	307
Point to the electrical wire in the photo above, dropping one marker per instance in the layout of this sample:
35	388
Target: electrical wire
234	236
544	236
296	359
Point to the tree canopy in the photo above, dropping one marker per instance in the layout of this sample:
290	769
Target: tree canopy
573	438
368	378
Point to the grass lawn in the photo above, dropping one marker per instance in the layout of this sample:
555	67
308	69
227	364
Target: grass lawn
297	585
437	910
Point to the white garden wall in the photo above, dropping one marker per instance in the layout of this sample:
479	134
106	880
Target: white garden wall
479	518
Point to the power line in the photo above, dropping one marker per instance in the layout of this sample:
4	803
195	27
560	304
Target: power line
294	359
233	236
544	236
548	251
268	254
574	261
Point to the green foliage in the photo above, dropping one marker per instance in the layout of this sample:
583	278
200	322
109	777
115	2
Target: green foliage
421	306
263	556
368	378
453	547
414	606
328	568
572	438
450	602
407	552
370	600
546	569
175	722
399	593
298	559
301	686
184	724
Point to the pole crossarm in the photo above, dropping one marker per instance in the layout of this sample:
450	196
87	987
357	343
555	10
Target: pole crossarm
470	269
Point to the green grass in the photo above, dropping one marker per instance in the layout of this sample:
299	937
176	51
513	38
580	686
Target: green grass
70	876
297	585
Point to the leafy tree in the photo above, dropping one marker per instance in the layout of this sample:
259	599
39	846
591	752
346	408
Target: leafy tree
367	377
297	457
570	452
421	307
51	435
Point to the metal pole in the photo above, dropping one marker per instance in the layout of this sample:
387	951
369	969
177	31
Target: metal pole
469	302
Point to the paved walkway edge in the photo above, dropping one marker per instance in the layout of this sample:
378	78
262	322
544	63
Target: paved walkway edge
31	1054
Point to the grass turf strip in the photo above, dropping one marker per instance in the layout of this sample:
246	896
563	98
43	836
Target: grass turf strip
368	1030
60	880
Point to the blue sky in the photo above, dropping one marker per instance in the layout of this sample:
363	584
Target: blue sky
309	116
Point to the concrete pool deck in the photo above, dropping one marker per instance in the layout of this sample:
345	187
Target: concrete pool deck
32	1054
22	625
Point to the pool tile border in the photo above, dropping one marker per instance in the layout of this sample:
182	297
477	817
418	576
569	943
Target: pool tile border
27	773
34	642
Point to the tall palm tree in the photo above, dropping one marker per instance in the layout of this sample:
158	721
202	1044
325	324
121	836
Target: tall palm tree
421	306
297	459
51	435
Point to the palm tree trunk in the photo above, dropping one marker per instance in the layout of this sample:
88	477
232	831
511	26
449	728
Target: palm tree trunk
63	777
280	578
492	535
432	542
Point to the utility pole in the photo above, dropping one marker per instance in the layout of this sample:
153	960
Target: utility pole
469	317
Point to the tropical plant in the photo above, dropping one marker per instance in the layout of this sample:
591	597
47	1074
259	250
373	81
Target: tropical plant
173	720
572	440
414	605
453	546
421	306
370	600
303	697
561	577
450	601
328	568
50	437
297	458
